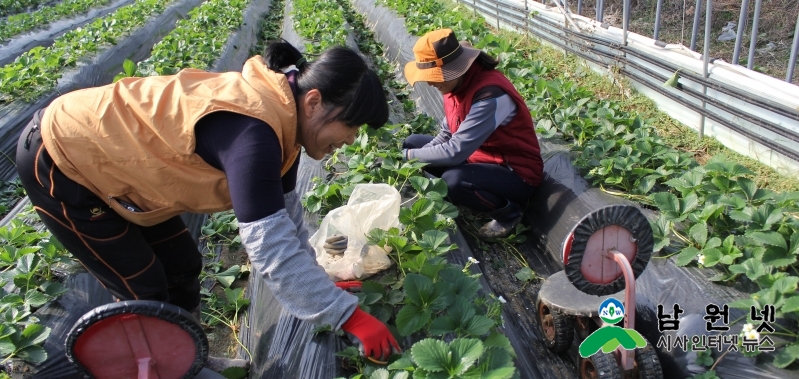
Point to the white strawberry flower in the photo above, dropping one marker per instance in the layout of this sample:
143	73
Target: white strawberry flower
473	261
752	335
701	259
748	328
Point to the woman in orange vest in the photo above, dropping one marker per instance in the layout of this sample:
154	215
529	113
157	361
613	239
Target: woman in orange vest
487	151
110	169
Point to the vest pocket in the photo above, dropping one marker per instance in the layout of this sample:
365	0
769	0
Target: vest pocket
143	218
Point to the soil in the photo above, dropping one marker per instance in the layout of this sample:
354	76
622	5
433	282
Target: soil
221	341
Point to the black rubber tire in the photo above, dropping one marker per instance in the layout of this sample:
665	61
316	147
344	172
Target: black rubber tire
648	363
556	328
163	311
626	216
600	366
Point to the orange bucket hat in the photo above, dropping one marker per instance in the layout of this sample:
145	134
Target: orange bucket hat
439	58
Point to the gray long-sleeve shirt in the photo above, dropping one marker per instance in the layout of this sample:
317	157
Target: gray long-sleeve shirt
485	116
279	250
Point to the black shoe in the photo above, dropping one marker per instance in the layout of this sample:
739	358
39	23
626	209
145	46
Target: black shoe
504	222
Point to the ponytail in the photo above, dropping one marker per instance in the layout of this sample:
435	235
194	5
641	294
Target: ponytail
279	55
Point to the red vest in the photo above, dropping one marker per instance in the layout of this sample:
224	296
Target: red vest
513	145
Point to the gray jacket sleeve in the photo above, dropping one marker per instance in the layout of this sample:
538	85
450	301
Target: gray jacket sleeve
484	117
295	211
299	284
443	135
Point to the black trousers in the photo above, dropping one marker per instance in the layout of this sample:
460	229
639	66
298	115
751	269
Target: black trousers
160	262
483	187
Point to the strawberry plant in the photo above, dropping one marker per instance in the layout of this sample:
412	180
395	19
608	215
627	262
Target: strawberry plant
10	193
427	297
129	69
23	22
367	45
196	42
222	227
461	358
720	217
319	22
270	27
28	259
8	7
37	71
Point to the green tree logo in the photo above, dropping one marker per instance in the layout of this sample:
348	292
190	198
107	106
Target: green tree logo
609	337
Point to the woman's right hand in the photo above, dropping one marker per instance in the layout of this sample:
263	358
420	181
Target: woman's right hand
372	336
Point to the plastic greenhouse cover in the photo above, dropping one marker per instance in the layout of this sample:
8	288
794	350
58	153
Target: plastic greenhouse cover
561	201
91	71
17	45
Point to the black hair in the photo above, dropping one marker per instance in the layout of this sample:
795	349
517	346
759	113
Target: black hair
488	62
343	79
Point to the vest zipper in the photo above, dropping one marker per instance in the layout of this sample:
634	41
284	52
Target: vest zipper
505	161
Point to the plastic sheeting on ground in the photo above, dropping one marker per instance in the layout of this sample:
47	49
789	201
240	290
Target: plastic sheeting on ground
562	200
85	292
398	46
281	345
237	48
19	44
564	195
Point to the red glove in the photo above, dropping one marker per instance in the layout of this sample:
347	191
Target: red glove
350	285
372	336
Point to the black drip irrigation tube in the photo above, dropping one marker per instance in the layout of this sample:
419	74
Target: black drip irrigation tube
570	34
562	200
84	291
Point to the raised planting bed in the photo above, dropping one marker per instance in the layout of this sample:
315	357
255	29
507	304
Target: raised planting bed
700	206
82	291
10	7
25	31
90	71
460	311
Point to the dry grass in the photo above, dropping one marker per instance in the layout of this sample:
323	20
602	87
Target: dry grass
777	24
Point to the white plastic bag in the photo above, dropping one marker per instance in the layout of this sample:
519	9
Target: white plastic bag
370	206
728	32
